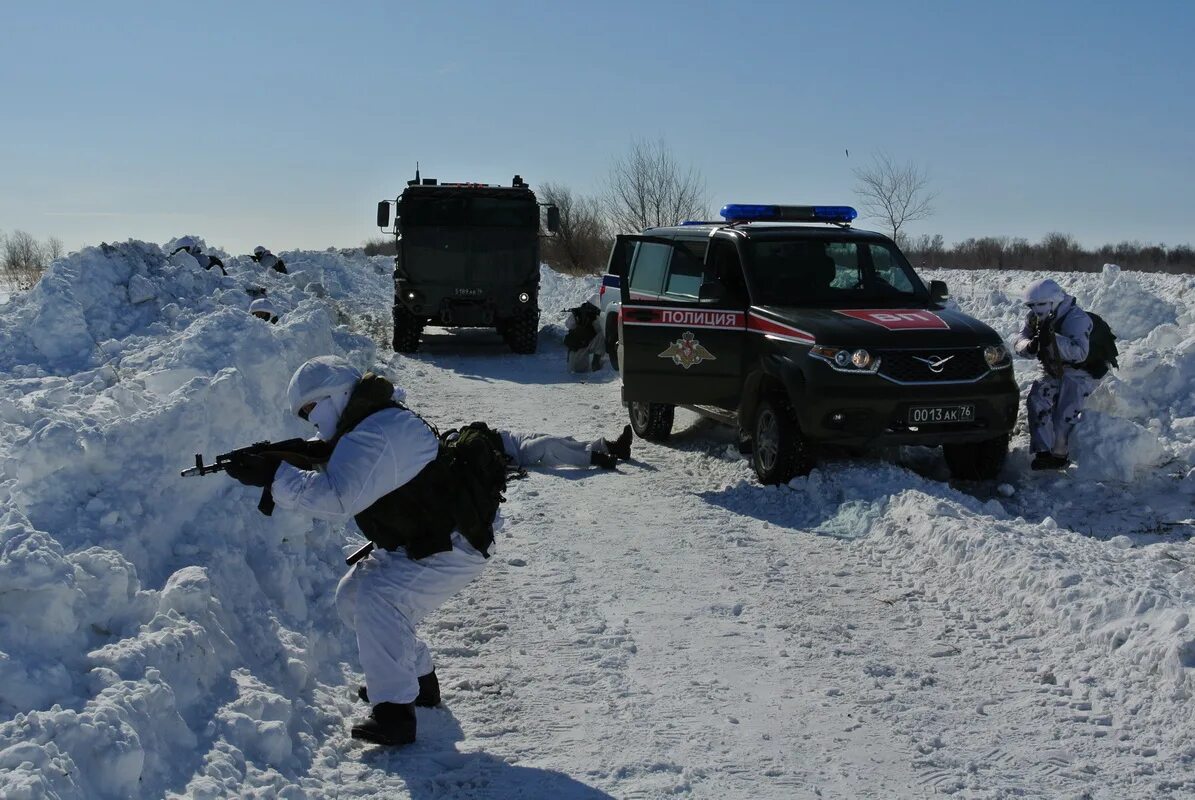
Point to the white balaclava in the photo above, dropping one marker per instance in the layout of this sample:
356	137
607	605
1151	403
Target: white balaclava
326	381
1043	297
259	251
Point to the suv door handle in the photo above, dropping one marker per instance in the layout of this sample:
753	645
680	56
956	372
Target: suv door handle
639	314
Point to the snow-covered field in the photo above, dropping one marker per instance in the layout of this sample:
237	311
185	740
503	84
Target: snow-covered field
671	628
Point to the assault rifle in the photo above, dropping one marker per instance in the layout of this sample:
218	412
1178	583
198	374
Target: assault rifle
301	453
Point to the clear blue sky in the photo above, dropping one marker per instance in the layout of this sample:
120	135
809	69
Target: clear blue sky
284	123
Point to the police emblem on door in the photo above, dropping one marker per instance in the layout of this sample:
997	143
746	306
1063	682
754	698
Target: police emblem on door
687	351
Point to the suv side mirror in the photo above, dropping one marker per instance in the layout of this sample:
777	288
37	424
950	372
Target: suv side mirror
553	219
712	290
384	214
938	293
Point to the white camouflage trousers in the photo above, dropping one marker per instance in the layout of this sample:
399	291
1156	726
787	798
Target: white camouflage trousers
384	597
1054	406
553	451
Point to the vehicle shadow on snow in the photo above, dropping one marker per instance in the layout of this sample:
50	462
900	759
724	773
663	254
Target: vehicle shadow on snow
434	768
481	355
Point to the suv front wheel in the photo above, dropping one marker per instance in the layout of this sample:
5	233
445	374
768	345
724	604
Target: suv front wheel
779	451
652	421
976	461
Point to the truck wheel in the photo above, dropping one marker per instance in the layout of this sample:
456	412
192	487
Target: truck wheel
652	421
976	461
407	329
522	332
612	343
779	451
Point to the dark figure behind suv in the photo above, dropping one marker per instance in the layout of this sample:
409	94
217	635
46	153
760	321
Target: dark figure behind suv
803	335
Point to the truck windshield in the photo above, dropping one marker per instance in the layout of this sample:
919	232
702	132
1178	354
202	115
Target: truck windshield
469	212
831	273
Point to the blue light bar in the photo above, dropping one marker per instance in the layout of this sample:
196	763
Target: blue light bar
741	212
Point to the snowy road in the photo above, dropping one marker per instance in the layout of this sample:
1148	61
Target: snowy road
638	636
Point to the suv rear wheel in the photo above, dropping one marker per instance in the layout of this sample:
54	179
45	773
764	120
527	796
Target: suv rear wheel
521	332
407	329
779	451
652	421
976	461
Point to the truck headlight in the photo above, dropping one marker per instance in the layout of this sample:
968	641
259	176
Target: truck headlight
995	355
861	359
524	297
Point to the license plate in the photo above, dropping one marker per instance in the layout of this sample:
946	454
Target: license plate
934	415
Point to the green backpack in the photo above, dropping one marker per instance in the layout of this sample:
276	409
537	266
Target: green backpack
479	469
1101	349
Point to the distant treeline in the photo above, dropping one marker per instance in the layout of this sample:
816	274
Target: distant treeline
1058	252
380	246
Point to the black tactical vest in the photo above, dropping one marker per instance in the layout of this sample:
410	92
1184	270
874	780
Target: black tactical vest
416	516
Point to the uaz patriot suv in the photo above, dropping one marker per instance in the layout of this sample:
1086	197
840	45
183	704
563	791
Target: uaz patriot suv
803	335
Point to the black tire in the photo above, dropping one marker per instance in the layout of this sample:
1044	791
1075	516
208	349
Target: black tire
976	461
407	329
522	332
652	421
779	451
612	341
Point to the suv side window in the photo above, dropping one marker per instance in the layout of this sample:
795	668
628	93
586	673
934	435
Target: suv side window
647	271
726	267
686	273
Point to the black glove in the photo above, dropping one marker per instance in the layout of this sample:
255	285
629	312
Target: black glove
253	469
1033	346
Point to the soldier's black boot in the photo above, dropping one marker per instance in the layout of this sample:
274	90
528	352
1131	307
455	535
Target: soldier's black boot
603	460
391	724
429	691
621	447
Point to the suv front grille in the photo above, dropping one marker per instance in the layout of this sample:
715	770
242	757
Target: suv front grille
960	366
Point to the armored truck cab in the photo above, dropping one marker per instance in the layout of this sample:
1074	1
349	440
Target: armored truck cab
467	256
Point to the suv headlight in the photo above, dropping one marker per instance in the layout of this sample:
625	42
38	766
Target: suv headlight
524	297
996	356
846	360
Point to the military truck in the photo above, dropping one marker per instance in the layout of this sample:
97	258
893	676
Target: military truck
468	256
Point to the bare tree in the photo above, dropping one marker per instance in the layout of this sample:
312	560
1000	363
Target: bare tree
22	260
53	249
894	193
647	188
582	244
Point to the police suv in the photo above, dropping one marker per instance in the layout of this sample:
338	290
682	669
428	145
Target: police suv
803	335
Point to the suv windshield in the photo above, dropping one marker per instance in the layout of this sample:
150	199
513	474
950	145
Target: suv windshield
831	273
